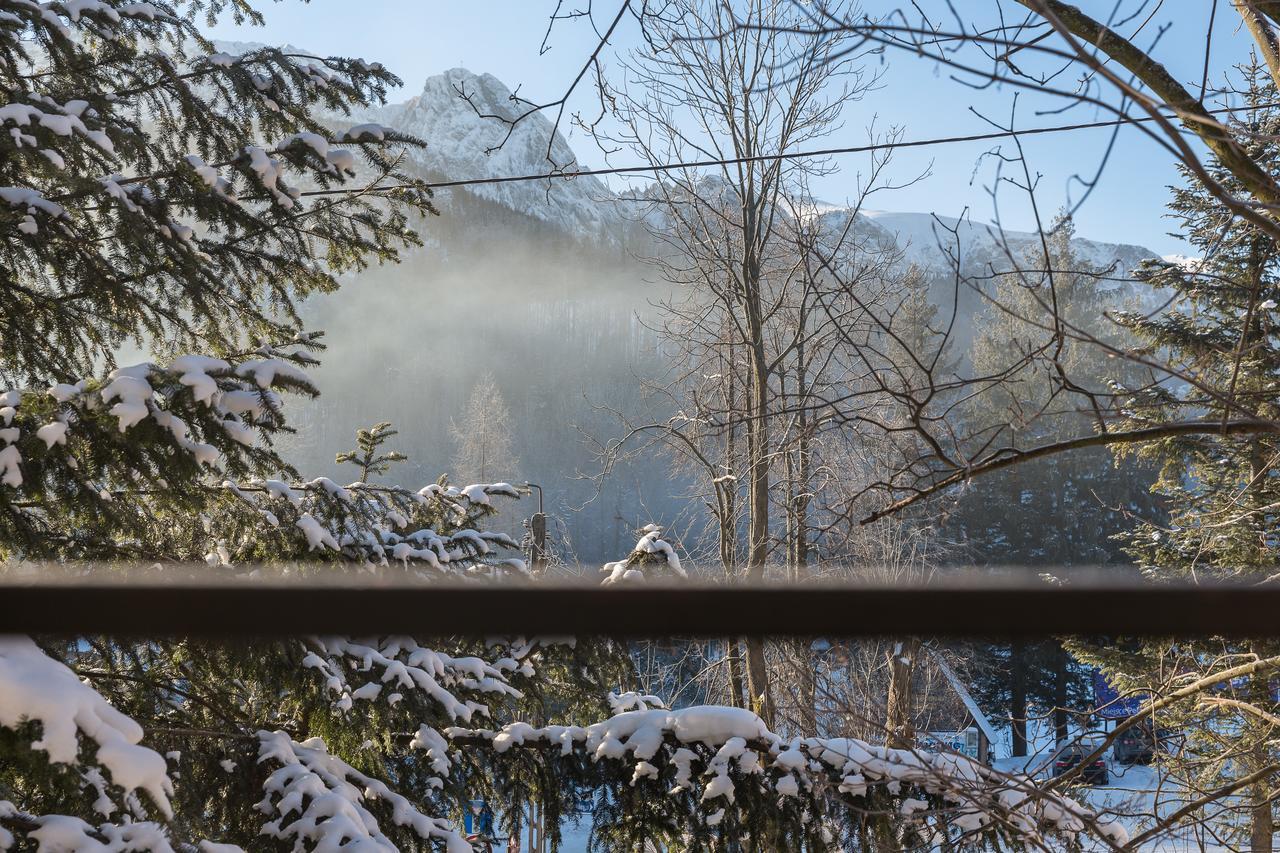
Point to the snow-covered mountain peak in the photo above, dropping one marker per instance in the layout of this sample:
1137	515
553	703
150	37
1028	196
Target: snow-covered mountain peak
466	118
489	94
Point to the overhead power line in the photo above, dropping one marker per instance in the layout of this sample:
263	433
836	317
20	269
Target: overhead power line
786	155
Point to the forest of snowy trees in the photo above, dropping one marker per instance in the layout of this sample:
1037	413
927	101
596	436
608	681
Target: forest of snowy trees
238	315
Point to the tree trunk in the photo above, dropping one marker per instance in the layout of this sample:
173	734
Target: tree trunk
734	650
800	534
1260	823
807	679
758	465
802	509
1060	721
1018	697
759	694
758	681
898	710
728	491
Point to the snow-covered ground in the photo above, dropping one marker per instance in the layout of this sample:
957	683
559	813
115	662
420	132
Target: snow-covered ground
1133	795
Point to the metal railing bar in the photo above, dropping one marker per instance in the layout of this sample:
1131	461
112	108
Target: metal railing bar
951	611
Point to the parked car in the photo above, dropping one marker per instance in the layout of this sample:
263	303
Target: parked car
1071	757
1135	746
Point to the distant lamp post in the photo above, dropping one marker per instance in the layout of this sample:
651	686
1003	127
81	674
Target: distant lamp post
538	530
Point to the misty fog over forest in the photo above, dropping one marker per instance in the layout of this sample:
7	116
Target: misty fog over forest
557	321
545	288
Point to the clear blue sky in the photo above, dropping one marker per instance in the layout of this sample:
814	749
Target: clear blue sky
418	38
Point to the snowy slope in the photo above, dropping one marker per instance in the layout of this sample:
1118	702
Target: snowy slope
923	237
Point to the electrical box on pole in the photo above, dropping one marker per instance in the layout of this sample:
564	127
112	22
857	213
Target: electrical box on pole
538	528
538	534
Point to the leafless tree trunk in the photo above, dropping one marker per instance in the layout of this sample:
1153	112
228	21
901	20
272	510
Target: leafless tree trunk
899	708
737	687
1060	721
1018	697
1129	82
1035	45
725	238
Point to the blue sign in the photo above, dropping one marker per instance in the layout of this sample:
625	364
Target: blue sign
477	819
1110	704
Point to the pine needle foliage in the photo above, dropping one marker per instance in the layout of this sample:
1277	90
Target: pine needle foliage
369	457
159	191
1223	491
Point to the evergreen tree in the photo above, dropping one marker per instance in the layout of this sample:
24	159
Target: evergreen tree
1030	680
161	194
369	456
1222	490
1061	510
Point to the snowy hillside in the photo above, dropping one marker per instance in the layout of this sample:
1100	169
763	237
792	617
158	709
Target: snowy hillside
924	237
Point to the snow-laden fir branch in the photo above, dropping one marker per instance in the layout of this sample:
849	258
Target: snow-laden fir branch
152	188
718	754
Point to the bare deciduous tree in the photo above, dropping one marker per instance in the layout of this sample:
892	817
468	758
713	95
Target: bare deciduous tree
746	327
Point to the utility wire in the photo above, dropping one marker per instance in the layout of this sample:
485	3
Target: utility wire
792	155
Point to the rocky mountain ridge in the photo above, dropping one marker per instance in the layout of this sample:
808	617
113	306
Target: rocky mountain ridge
469	123
461	131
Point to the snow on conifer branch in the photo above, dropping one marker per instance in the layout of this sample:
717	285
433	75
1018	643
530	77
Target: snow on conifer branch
652	557
34	687
142	430
397	665
36	690
717	763
202	236
320	802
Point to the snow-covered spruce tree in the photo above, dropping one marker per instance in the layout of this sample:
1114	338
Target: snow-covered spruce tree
301	745
708	777
154	192
652	558
286	744
715	778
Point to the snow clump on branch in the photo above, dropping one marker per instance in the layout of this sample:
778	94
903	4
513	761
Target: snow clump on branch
652	557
